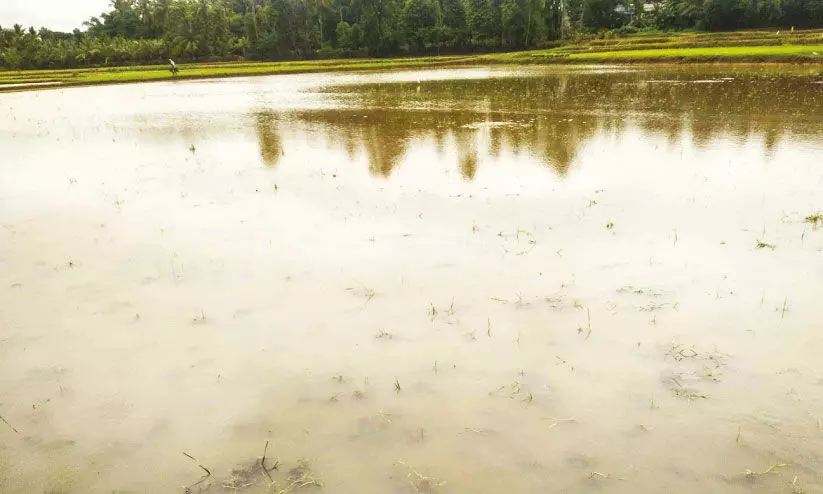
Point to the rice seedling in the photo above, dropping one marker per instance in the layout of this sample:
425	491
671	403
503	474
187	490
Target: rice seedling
397	387
814	219
431	310
588	329
383	334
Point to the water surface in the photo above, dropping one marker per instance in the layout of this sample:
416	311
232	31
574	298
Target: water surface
562	279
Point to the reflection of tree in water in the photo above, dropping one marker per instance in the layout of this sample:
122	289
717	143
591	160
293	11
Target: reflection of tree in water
271	146
385	135
466	141
551	116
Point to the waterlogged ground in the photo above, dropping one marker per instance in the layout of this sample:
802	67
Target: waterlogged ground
531	280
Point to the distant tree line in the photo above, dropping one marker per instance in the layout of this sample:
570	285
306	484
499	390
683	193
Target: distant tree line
150	31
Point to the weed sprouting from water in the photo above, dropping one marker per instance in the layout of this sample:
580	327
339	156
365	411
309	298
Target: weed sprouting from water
267	470
8	424
557	421
299	477
447	314
202	479
397	387
529	237
752	474
530	240
199	318
679	352
588	329
192	148
367	292
421	483
763	245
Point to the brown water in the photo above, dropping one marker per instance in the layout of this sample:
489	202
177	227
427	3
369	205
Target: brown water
475	280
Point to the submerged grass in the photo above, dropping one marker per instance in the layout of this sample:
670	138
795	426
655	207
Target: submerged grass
741	46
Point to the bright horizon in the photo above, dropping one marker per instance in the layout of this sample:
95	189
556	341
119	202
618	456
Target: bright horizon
57	15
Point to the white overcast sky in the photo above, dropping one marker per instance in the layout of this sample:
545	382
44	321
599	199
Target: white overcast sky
57	15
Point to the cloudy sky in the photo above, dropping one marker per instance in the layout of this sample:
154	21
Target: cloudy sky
58	15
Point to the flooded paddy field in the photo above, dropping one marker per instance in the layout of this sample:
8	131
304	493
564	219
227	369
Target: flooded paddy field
531	280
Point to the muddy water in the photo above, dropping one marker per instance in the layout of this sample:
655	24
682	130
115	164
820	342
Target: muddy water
472	280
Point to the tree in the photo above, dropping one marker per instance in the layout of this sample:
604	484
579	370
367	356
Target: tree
604	14
483	19
723	14
418	21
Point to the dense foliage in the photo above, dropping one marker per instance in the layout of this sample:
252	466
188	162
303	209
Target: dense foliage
150	31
